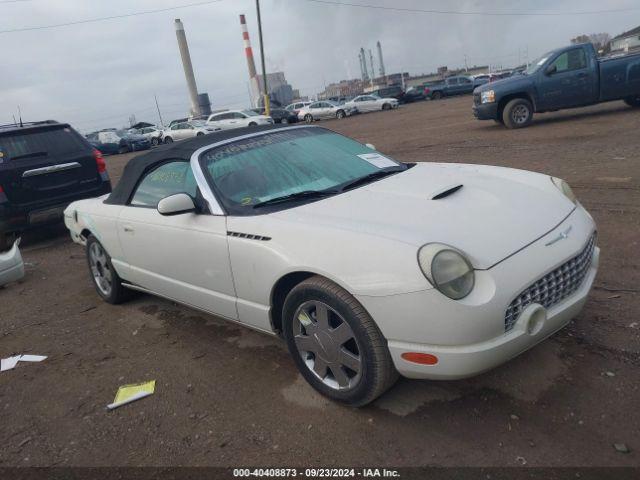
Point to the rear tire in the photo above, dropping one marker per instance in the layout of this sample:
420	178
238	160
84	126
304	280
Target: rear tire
348	359
340	114
168	140
518	113
252	124
386	106
436	95
633	101
105	279
155	141
199	134
308	118
284	121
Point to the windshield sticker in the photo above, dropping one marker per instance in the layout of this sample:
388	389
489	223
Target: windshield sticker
377	160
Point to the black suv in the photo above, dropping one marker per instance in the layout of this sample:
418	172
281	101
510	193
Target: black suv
44	166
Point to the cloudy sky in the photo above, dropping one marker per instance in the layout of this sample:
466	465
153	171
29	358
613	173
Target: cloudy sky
97	74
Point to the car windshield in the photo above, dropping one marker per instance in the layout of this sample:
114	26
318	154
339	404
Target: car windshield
250	113
259	169
536	64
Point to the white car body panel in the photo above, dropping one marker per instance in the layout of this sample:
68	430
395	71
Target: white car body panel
239	120
366	240
371	103
11	265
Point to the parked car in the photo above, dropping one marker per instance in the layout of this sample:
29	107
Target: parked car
153	134
367	267
237	119
370	103
44	166
118	141
279	115
324	110
414	94
565	78
297	106
11	265
184	130
178	120
394	91
458	85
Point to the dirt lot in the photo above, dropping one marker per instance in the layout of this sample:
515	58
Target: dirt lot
228	396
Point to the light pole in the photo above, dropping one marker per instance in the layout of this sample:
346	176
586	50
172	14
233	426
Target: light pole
267	103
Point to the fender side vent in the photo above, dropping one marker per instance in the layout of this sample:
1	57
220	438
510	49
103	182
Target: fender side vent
249	236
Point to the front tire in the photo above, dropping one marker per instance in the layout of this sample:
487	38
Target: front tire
252	124
6	241
335	343
155	141
436	95
633	101
340	114
386	106
284	121
105	279
168	140
518	113
308	118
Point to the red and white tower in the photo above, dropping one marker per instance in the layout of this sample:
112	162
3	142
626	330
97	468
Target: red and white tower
253	76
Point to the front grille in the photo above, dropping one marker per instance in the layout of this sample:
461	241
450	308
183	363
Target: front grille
476	99
554	286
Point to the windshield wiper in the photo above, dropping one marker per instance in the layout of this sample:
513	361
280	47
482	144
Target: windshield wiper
297	196
370	178
28	155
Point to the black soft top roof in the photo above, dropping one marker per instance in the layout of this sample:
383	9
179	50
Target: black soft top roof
182	150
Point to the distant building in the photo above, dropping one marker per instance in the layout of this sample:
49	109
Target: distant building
343	88
280	92
626	41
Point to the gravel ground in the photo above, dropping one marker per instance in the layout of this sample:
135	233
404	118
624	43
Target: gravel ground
227	396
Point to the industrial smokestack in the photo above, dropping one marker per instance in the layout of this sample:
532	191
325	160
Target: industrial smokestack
363	65
373	70
380	60
188	67
253	77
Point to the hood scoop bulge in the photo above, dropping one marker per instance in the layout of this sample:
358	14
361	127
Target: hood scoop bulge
445	192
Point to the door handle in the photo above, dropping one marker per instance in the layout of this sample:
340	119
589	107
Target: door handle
582	75
128	229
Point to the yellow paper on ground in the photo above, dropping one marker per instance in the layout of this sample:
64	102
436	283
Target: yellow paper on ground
130	393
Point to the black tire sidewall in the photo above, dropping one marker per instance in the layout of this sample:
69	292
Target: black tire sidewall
292	302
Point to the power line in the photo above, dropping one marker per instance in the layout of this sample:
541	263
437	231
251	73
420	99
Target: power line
111	17
472	13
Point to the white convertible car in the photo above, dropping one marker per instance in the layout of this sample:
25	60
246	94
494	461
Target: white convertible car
366	266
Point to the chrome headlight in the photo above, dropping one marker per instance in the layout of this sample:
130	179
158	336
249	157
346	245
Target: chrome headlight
564	188
488	97
447	269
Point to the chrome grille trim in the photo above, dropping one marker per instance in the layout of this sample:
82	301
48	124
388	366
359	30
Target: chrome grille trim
554	287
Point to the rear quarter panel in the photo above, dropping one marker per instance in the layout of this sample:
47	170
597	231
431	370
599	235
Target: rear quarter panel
619	77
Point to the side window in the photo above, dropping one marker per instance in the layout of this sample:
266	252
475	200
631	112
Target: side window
238	115
572	60
465	80
167	179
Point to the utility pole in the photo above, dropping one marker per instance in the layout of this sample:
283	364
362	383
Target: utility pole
267	103
466	67
158	107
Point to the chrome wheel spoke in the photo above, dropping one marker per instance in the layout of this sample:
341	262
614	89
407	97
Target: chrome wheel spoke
341	334
322	316
306	343
349	360
320	367
340	376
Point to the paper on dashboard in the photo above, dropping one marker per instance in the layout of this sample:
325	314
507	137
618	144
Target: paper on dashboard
378	160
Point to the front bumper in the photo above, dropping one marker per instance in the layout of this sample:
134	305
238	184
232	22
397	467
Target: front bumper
469	336
486	111
11	265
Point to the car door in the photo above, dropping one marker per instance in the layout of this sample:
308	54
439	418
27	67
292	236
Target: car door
219	121
315	109
182	257
466	85
452	86
238	120
565	81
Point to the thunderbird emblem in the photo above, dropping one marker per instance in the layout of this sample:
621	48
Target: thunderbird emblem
562	236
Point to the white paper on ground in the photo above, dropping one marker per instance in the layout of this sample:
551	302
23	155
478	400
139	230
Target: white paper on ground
11	362
137	396
378	160
8	363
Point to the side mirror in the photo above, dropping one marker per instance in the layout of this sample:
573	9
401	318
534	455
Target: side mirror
176	204
369	145
551	69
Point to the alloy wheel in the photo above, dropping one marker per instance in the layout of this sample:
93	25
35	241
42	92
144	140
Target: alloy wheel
520	114
327	345
100	269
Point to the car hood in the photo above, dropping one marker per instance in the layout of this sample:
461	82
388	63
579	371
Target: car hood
515	82
497	212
